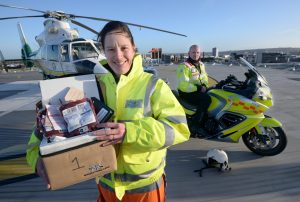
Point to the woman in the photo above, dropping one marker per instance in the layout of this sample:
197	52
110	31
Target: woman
147	120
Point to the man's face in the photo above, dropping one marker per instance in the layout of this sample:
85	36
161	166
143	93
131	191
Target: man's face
194	53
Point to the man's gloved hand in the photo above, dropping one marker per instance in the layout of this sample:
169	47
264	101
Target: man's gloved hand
201	88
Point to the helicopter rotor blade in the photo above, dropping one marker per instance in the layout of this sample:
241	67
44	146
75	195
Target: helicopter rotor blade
84	26
23	8
132	24
28	16
61	15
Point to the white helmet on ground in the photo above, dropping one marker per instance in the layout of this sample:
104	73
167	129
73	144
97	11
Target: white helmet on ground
217	156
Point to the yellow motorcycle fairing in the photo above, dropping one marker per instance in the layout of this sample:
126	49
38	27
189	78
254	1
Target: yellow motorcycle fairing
248	112
233	102
234	133
267	122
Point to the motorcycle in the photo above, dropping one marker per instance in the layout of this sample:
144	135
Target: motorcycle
237	111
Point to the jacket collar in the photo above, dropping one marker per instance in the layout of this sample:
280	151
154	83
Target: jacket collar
136	68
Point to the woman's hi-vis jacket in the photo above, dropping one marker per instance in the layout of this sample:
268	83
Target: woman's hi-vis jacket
154	121
189	77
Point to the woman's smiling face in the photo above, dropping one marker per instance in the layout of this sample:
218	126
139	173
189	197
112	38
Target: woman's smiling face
119	52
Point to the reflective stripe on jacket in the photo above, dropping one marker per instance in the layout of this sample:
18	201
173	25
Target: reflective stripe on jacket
188	77
154	121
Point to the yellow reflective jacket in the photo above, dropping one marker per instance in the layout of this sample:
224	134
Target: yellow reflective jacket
189	76
154	121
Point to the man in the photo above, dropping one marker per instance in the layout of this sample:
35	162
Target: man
193	83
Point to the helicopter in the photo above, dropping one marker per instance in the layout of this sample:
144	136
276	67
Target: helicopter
61	51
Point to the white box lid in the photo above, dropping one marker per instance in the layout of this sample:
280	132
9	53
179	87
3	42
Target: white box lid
53	90
63	144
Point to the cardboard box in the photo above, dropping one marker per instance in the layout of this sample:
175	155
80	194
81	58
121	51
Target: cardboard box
77	159
78	164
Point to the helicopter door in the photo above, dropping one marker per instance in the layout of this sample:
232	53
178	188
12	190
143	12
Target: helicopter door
53	60
65	60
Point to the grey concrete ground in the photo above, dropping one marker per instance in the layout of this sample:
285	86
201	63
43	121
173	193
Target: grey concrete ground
252	178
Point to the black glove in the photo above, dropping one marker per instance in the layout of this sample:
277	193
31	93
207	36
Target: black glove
221	84
199	87
231	78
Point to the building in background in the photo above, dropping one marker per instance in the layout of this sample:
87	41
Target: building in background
156	53
263	57
215	52
167	58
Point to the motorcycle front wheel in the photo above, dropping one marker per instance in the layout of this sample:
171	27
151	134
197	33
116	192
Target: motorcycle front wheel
271	143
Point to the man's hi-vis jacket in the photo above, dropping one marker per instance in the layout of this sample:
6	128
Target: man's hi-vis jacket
154	121
189	77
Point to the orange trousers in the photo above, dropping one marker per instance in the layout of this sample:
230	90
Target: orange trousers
157	195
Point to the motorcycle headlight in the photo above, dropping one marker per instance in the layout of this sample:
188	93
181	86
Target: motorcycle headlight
263	93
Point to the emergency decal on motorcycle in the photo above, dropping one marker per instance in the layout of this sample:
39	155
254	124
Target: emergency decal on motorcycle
246	106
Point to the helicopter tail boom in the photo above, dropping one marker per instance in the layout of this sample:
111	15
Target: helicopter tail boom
26	50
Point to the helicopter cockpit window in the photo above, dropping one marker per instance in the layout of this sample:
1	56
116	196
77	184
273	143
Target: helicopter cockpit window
52	52
83	50
99	46
65	53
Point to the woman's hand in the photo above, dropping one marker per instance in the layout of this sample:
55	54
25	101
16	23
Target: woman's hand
40	169
111	133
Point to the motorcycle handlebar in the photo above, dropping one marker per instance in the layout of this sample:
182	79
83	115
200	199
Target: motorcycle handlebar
231	79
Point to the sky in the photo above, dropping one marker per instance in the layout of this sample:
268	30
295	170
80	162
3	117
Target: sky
225	24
